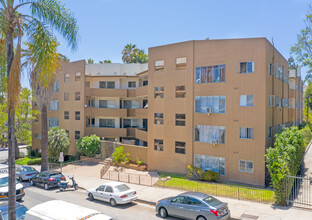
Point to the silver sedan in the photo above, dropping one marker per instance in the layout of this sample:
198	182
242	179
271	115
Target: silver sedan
193	205
25	173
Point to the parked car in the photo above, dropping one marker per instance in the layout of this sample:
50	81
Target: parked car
20	211
47	179
25	173
58	209
193	205
114	193
4	188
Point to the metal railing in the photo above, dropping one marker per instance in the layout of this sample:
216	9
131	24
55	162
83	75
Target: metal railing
60	166
130	178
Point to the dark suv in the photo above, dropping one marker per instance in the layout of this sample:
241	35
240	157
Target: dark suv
47	179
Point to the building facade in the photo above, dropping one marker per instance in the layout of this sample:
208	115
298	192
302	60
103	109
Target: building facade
216	104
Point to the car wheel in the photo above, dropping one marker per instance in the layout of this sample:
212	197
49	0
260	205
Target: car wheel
90	195
113	202
201	218
32	183
163	212
46	186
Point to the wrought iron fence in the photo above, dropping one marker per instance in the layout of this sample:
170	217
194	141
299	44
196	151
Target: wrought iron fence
300	191
130	178
62	166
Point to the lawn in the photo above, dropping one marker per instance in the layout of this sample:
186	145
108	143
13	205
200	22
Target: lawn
226	190
28	161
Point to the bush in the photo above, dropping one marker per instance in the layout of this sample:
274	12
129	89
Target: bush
120	156
29	149
21	155
210	176
32	153
194	172
139	162
57	142
89	145
34	161
69	158
307	135
38	154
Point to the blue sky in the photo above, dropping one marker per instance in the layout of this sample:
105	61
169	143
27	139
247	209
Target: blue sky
106	26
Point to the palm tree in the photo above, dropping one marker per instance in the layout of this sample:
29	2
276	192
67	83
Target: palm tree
129	53
43	15
141	57
58	142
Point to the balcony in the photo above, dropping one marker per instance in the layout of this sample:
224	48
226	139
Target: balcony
140	91
137	113
122	93
106	112
106	132
139	133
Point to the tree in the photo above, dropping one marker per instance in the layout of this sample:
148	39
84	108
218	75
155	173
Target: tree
90	61
58	142
141	57
89	145
308	103
285	159
303	48
42	17
129	53
106	61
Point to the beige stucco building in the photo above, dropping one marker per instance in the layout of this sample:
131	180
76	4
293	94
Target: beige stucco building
215	104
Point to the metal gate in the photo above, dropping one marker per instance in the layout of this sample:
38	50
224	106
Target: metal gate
301	191
107	148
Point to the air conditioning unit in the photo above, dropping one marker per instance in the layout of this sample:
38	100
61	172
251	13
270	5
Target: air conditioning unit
209	110
215	141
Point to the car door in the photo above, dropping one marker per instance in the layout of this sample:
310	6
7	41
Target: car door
44	178
98	192
18	172
176	206
36	178
192	208
108	193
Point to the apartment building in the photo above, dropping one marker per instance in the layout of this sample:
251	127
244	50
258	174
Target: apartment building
216	104
109	100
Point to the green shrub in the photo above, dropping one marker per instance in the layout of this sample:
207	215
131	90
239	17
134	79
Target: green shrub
120	156
139	162
22	161
194	172
57	142
89	145
307	135
21	154
34	161
29	149
210	176
32	153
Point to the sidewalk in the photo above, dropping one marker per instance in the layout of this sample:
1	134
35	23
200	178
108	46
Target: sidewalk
239	209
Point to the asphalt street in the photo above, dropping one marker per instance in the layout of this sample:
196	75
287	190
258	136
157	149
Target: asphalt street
4	153
134	211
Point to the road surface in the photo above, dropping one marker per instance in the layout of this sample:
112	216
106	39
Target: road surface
4	153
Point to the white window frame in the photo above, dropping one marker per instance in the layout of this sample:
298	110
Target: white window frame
180	62
248	131
252	67
159	65
241	98
131	84
54	105
246	161
77	76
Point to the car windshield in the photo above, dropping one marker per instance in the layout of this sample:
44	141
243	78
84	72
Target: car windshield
122	188
56	175
29	169
212	201
20	213
4	181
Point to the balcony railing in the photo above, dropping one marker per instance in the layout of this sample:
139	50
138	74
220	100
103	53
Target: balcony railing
106	112
106	132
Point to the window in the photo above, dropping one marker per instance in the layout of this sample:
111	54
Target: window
66	115
179	200
88	84
245	166
181	62
285	102
77	115
107	123
271	100
210	74
66	96
270	132
37	136
53	122
107	84
90	122
159	145
180	147
131	104
66	77
77	96
277	101
77	135
131	123
214	104
159	118
205	162
54	105
77	76
246	100
132	84
107	104
180	120
271	68
246	133
159	65
180	92
145	82
192	201
109	189
159	92
56	87
210	134
246	67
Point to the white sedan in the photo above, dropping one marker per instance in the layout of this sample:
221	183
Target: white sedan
114	193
